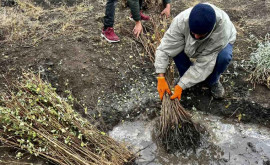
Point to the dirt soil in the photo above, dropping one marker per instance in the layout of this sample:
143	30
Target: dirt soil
117	83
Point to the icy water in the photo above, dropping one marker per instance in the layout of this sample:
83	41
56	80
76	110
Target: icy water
227	143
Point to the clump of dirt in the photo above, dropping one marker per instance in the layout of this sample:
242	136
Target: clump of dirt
9	3
267	162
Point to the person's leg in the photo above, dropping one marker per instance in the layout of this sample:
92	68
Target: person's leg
223	60
164	3
134	5
140	2
182	63
108	31
109	13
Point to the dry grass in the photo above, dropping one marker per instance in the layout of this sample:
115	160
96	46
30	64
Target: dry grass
34	118
28	24
189	3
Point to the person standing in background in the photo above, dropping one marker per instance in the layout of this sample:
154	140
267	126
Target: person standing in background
136	14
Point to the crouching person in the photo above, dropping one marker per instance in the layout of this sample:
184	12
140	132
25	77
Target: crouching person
204	33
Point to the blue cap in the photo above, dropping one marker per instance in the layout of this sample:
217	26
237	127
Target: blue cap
202	19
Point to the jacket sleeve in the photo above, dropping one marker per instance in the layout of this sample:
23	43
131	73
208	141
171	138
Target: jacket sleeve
206	60
171	44
200	70
134	6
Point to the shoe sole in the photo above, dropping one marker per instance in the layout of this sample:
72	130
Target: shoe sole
111	41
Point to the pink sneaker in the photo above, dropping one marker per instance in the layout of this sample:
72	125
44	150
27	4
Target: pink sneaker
143	17
109	35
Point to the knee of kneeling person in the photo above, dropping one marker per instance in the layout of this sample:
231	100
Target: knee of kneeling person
225	57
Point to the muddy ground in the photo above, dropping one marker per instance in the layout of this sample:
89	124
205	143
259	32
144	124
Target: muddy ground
115	82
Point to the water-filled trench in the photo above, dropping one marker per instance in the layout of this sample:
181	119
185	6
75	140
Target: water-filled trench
227	143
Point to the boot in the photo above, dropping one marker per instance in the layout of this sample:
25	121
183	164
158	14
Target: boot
217	90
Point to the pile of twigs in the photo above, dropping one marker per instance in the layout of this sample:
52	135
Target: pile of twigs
35	119
153	33
176	130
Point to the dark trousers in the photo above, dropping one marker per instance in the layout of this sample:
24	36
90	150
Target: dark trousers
224	57
110	13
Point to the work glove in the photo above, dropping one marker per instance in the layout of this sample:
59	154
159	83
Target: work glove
162	86
177	92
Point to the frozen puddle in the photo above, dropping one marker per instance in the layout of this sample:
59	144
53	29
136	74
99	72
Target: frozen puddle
228	143
138	136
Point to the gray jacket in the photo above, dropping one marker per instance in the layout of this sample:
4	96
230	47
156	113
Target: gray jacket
177	38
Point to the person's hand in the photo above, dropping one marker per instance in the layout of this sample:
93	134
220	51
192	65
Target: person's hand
162	87
137	29
177	92
167	11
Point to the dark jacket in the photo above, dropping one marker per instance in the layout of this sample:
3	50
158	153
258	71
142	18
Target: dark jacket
135	8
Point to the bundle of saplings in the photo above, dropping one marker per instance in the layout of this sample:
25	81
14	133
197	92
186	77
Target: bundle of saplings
176	130
34	118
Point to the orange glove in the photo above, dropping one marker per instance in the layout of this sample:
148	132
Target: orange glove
162	86
177	92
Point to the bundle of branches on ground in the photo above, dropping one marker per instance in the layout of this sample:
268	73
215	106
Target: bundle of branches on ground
176	130
260	63
35	119
153	33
